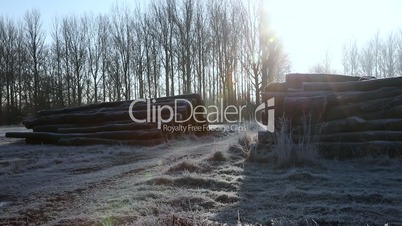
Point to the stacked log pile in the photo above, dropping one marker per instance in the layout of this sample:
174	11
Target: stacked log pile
352	116
110	123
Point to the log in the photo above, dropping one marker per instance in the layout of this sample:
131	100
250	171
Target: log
299	97
340	101
109	127
79	108
138	106
359	118
110	123
104	126
393	124
361	136
38	141
395	112
366	85
55	127
80	141
276	87
144	106
115	135
124	107
376	105
93	118
350	150
196	97
354	124
268	95
295	108
351	124
336	98
83	118
96	117
353	97
296	80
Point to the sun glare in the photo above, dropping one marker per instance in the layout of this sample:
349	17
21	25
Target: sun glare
315	26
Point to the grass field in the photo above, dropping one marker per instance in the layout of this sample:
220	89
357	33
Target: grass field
209	180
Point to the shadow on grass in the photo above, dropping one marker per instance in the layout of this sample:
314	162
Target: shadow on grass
290	185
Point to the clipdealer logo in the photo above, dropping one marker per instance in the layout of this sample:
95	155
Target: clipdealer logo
162	115
269	118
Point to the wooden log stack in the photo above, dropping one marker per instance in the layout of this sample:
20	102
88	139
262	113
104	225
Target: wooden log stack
351	116
110	122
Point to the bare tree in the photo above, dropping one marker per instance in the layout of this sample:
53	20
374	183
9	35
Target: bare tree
264	59
399	54
163	31
76	52
251	60
57	56
366	59
350	58
103	38
216	48
2	61
96	48
183	20
122	40
34	37
138	55
9	36
22	83
388	56
201	47
376	46
225	24
147	50
323	67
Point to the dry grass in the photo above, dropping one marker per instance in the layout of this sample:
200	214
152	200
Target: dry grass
189	180
282	222
184	166
247	141
288	151
205	181
218	156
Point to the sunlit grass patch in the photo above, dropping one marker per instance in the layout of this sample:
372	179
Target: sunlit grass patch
189	180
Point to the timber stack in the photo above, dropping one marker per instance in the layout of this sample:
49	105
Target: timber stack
142	122
349	116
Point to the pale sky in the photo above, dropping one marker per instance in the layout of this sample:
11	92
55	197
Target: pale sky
308	28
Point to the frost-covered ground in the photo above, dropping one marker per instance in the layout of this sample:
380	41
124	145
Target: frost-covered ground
192	179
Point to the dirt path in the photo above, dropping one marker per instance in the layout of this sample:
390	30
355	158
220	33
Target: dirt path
194	178
45	184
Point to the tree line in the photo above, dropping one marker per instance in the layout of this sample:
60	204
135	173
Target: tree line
223	50
380	57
